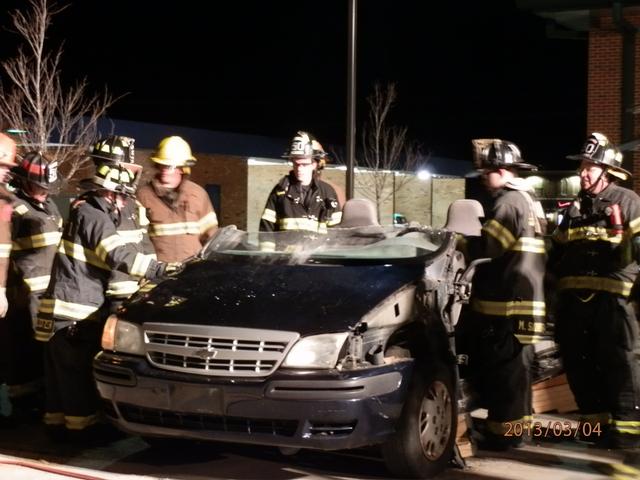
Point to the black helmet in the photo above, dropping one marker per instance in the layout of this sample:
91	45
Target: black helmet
599	150
119	150
491	153
112	177
35	168
304	145
114	148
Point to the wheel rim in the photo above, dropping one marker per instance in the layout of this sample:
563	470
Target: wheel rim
435	420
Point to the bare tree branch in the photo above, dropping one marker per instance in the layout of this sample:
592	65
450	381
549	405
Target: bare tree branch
62	123
385	150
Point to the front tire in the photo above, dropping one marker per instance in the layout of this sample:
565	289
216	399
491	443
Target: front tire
425	434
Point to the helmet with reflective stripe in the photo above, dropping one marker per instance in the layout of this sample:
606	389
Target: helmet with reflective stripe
119	150
7	151
493	153
174	152
112	177
304	145
37	169
114	148
599	150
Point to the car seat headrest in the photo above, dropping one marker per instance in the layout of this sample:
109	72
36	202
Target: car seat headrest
359	212
464	217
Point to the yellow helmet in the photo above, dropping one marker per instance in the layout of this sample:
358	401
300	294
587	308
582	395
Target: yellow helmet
173	151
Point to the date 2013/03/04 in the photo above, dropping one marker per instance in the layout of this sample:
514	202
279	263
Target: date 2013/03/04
552	429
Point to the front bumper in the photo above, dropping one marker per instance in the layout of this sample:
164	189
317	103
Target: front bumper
326	410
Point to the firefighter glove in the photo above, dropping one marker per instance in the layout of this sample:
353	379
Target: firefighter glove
173	268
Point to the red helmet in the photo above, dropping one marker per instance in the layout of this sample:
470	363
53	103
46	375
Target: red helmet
35	168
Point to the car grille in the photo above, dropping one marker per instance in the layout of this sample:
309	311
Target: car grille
220	351
332	429
211	423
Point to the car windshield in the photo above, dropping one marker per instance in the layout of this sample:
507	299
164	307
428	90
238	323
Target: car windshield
338	245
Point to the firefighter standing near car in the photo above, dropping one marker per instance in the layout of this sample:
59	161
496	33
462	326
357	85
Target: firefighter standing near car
36	231
7	161
180	213
73	310
595	256
300	201
507	306
133	225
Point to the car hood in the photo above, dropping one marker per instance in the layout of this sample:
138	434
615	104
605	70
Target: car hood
303	298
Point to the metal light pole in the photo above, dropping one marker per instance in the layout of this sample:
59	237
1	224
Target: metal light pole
351	98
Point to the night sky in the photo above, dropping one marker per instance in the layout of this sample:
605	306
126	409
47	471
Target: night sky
462	69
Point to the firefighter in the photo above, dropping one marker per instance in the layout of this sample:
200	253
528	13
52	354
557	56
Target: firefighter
73	310
180	213
7	161
36	231
300	201
507	307
595	256
133	225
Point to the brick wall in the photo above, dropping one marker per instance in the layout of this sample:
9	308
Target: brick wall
604	102
231	174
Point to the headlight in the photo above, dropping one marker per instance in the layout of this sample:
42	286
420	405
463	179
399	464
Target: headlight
318	351
121	336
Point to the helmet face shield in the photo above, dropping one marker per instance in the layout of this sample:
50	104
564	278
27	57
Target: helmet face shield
113	178
134	170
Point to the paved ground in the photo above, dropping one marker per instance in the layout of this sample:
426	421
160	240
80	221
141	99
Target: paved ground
27	453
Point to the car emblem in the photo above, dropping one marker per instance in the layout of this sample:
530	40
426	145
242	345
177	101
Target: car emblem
207	353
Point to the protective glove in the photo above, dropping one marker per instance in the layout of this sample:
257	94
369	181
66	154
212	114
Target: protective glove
4	303
173	268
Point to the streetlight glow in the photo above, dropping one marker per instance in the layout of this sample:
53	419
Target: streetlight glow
424	174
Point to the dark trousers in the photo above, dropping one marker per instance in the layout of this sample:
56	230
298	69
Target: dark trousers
498	366
69	384
598	336
22	355
528	355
